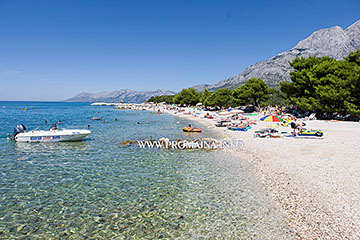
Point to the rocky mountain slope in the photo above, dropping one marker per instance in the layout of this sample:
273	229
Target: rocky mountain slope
334	42
123	95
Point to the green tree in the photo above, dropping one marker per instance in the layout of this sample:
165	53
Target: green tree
221	98
277	98
204	95
324	84
354	57
255	91
187	96
163	98
352	105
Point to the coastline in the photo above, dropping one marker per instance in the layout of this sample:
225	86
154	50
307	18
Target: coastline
315	182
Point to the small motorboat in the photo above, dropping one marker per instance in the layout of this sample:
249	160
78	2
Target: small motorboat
190	129
52	135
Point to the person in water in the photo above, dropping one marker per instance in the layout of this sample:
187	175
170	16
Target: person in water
59	122
45	122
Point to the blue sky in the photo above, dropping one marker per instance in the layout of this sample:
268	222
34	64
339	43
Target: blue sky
52	50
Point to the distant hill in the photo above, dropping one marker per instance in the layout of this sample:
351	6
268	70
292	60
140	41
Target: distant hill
334	42
123	95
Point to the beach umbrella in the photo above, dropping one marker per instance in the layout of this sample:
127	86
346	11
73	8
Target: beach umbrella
271	118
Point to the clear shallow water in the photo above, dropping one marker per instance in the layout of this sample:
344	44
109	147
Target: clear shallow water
98	189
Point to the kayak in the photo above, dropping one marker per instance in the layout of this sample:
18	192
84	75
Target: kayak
189	129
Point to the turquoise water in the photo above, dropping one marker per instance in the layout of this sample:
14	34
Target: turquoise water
98	189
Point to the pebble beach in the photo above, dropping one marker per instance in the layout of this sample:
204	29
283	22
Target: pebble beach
315	182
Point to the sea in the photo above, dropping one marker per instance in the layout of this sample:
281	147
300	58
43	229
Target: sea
100	189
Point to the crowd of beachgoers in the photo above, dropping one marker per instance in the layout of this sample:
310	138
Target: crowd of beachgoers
313	179
280	122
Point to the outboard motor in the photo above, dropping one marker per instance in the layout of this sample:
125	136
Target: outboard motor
20	128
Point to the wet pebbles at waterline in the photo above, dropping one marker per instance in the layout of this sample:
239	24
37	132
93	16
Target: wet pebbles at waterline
99	189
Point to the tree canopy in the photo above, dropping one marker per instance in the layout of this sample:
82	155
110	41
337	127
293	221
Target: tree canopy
221	98
204	95
187	96
163	98
255	91
325	84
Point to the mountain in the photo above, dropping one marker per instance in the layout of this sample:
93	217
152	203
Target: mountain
123	95
334	42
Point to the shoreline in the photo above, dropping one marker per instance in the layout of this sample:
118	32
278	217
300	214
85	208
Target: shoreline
314	182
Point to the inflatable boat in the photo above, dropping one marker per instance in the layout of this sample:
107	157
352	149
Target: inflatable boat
189	129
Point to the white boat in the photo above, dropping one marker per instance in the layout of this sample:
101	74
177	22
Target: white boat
52	135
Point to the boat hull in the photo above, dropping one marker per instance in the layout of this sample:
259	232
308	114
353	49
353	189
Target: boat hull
52	136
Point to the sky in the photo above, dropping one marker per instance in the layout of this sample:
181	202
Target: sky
53	50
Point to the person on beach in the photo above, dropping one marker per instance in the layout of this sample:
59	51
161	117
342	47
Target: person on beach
297	126
276	110
283	110
245	124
